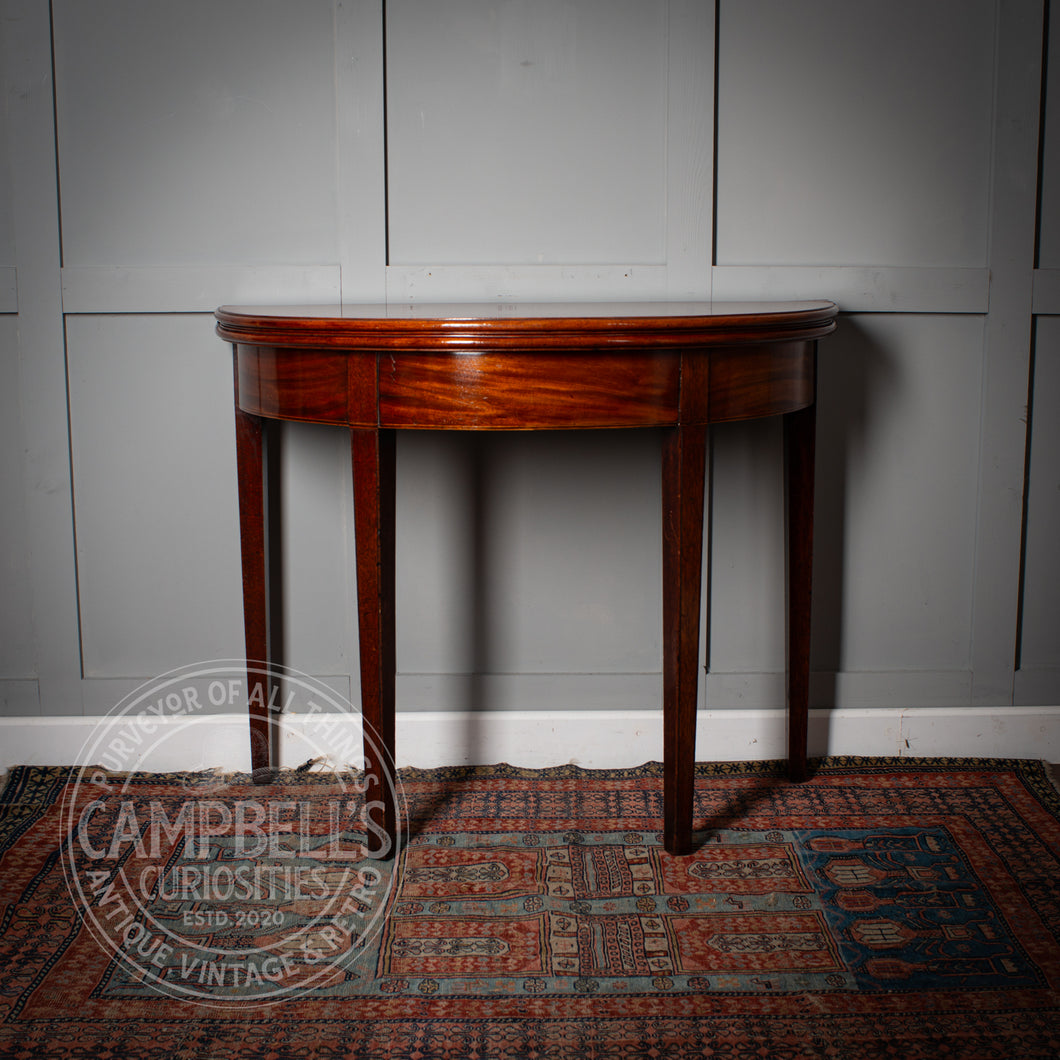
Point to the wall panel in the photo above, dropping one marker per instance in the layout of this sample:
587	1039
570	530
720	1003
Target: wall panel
554	130
897	464
318	584
197	132
1040	629
17	654
550	561
895	523
854	133
154	493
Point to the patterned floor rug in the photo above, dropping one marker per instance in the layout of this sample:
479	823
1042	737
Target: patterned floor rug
884	908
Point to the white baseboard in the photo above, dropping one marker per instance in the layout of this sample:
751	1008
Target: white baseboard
594	739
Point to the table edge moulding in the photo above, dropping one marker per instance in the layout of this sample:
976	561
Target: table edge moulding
377	369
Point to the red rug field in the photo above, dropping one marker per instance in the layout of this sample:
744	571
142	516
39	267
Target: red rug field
884	908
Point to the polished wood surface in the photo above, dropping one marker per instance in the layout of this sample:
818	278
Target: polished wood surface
676	366
564	326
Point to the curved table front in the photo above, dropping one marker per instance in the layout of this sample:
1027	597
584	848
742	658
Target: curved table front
378	369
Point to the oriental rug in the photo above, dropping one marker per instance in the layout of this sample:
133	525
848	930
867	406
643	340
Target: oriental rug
883	908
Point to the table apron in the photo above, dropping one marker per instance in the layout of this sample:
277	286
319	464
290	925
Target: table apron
524	389
511	390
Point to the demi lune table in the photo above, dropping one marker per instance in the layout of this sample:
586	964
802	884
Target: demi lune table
378	369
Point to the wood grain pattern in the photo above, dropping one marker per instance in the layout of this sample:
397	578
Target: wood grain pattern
678	366
302	384
768	380
528	391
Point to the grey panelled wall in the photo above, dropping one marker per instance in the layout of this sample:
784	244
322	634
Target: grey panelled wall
1039	643
1040	631
575	94
162	158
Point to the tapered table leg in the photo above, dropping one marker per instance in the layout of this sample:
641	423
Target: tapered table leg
684	466
799	437
373	500
252	443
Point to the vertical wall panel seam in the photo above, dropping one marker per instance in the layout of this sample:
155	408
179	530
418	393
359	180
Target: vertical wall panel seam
385	144
714	149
